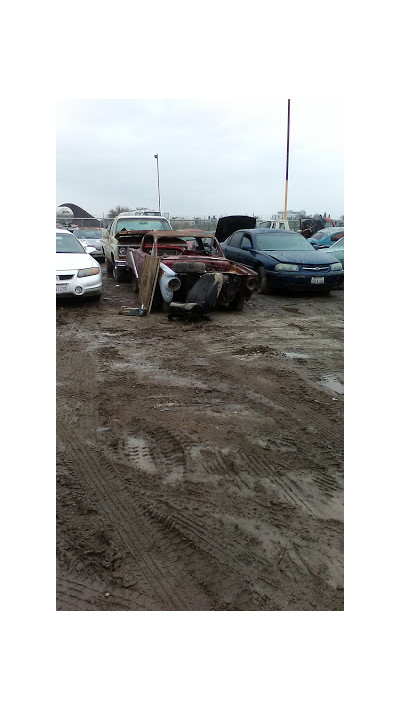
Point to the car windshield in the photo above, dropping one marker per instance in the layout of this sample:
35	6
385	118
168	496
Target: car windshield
149	223
283	241
68	243
88	234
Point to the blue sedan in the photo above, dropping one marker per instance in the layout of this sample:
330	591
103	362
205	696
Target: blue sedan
284	260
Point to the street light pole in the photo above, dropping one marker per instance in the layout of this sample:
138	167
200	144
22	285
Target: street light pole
158	183
287	159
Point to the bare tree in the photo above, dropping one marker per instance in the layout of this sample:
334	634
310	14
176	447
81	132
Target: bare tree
116	210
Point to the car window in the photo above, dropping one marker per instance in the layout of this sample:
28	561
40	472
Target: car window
246	242
88	234
68	243
336	236
143	224
235	239
283	241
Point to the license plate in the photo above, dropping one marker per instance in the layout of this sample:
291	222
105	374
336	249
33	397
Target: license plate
317	280
61	287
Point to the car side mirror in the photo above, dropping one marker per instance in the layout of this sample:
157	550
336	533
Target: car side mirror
90	249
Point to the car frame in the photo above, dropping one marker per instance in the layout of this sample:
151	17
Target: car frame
183	259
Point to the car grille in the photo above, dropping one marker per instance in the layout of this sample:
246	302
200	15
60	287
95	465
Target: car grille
64	277
325	268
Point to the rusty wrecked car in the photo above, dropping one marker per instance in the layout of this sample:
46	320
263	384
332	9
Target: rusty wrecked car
183	260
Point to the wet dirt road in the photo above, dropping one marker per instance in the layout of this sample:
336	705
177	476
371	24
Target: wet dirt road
200	466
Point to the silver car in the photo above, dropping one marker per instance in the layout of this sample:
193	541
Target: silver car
90	237
77	273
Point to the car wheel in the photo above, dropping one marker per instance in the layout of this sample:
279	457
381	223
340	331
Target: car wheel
238	303
262	287
109	266
119	274
96	297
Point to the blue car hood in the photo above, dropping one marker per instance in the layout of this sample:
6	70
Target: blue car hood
301	257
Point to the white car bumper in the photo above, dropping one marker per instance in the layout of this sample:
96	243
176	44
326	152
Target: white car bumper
69	284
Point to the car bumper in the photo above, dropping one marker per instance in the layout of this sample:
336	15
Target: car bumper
79	286
302	282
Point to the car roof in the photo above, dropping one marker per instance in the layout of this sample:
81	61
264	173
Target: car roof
60	230
268	231
329	231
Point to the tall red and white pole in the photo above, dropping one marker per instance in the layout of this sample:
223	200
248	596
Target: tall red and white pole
287	158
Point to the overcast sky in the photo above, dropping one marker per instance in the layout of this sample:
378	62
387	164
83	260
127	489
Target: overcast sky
215	158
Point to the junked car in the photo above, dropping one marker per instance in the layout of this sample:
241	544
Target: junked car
183	261
90	237
283	260
77	273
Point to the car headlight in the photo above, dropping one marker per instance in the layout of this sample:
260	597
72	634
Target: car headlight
336	267
122	251
88	272
286	268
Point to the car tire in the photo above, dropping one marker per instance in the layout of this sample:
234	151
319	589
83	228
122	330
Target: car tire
109	266
262	287
238	303
96	297
119	274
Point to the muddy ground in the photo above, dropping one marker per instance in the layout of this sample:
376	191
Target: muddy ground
200	466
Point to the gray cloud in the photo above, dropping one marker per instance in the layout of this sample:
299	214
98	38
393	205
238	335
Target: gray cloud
214	157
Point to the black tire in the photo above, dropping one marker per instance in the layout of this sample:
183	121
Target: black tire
96	297
262	287
238	303
109	266
119	274
189	267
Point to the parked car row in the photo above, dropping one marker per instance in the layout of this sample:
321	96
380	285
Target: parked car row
247	257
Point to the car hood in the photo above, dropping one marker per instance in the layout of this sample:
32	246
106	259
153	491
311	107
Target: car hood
74	260
301	257
228	225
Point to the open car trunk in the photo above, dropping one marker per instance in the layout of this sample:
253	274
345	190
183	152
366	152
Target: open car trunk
227	225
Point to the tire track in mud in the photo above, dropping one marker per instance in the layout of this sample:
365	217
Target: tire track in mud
272	390
73	594
171	588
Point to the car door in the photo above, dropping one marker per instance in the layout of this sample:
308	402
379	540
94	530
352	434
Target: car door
244	255
231	248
